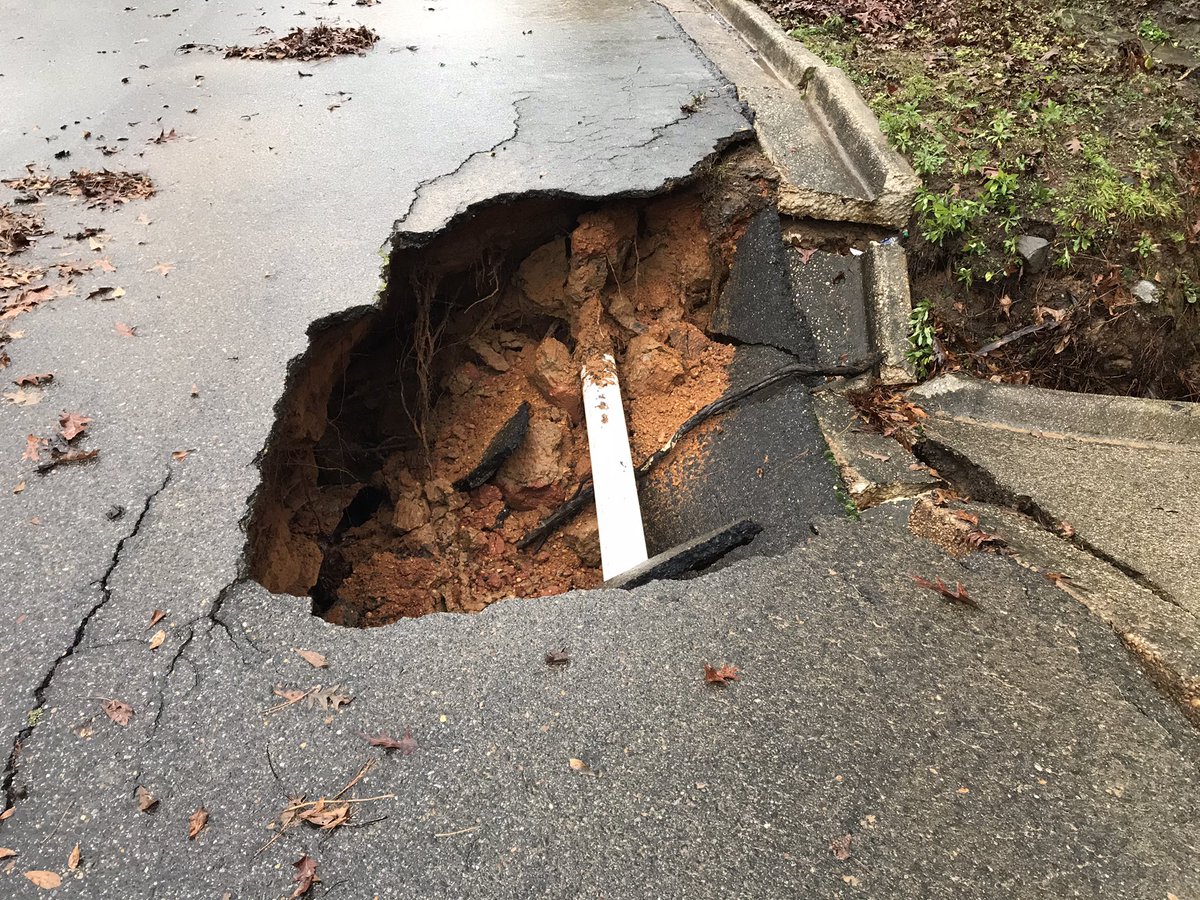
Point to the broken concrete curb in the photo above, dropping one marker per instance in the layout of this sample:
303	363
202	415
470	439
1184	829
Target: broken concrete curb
890	181
889	308
1163	638
1117	475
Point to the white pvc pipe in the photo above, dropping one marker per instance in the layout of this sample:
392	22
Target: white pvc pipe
618	512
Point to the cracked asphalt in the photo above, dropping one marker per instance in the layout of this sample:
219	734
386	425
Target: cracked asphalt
1014	750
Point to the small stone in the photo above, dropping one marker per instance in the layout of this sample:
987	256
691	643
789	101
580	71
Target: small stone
1035	252
1146	291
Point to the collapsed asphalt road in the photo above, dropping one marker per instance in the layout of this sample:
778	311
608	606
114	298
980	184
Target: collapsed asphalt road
880	741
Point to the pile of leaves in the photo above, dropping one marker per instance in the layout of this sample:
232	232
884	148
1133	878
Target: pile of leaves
103	188
319	42
18	230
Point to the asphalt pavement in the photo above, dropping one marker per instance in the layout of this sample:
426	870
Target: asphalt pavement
880	741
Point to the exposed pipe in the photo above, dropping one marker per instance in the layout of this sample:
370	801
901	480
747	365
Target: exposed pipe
618	512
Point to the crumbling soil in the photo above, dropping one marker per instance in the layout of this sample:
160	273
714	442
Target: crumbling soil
386	413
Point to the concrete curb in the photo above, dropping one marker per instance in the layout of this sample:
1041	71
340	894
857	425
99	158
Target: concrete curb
889	180
1129	421
889	307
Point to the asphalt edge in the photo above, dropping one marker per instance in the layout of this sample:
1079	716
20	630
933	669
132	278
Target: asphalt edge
888	176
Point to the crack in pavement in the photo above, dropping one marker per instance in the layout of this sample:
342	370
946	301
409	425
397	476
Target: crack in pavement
427	182
39	693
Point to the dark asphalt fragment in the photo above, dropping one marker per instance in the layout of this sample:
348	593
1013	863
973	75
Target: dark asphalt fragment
693	556
501	447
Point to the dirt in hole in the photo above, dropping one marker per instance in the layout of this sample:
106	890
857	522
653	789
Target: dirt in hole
387	411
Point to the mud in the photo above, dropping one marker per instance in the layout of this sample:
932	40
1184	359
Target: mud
392	407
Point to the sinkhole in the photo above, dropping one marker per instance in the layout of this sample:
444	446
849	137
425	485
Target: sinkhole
373	501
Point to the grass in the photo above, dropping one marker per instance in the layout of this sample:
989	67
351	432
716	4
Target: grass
1029	120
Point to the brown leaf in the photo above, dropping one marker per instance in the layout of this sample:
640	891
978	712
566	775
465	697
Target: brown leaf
125	330
155	617
179	455
44	879
557	657
118	711
312	657
306	875
157	640
1074	146
61	459
291	695
106	292
957	593
72	425
35	379
6	852
34	446
23	397
841	846
196	822
104	265
146	800
723	674
331	699
7	813
163	268
407	744
195	390
578	765
74	859
20	487
327	815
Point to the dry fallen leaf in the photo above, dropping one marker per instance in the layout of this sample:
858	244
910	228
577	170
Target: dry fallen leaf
326	814
146	800
23	397
330	699
6	852
72	425
157	640
8	812
723	674
180	455
74	859
164	268
1074	146
841	846
155	617
35	379
196	822
33	447
20	486
118	711
125	330
407	744
195	390
958	593
578	765
44	879
557	657
306	875
312	657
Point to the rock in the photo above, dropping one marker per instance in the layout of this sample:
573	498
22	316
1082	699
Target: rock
536	466
607	234
410	513
556	377
582	537
1147	291
649	367
1034	251
542	276
587	278
489	354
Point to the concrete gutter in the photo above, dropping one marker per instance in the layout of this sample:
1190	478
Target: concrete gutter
891	185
